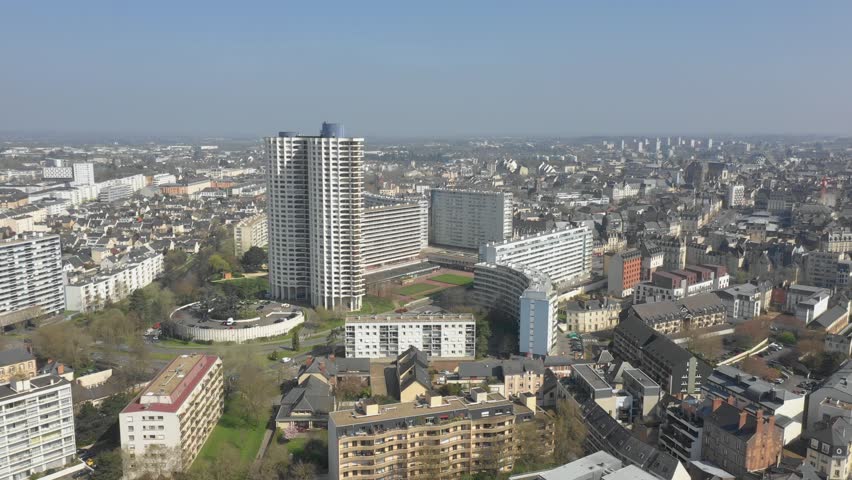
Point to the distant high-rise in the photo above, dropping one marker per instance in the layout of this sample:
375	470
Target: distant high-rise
315	205
469	218
84	173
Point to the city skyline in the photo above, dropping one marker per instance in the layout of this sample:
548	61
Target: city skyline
404	71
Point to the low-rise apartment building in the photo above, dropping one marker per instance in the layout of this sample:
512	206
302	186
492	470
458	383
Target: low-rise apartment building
432	437
678	372
745	391
682	429
86	294
669	317
164	428
830	448
444	335
592	315
681	283
742	302
625	272
509	378
739	441
806	302
16	364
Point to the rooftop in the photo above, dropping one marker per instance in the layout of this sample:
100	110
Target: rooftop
411	318
168	390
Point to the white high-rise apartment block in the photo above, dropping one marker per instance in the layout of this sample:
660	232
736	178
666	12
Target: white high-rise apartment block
251	232
84	173
469	218
395	230
31	281
388	336
164	428
563	255
37	421
315	200
736	196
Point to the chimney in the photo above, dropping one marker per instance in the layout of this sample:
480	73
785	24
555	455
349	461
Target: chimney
60	369
743	417
759	420
331	357
309	361
732	401
770	427
717	402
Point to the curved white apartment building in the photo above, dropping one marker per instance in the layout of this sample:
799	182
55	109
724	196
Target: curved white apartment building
315	194
525	294
563	255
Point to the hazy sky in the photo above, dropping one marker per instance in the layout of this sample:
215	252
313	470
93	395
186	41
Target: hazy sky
426	68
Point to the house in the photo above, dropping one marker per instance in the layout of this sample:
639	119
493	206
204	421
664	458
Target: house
306	406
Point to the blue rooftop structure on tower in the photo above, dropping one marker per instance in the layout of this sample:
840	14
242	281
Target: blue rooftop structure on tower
334	130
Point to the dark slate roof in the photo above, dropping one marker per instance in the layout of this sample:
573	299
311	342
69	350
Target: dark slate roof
313	395
830	316
836	434
9	357
415	361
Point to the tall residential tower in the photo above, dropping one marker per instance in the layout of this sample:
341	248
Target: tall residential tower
315	205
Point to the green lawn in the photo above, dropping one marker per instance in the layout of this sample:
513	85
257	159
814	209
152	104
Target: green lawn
452	279
232	431
372	305
418	288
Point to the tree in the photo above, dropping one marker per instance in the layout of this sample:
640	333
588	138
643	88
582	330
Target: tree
296	343
65	343
569	432
333	337
254	389
709	347
758	367
531	447
787	338
351	388
253	259
302	471
483	335
158	461
218	264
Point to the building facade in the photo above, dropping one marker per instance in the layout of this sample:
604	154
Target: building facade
315	195
678	284
740	442
469	218
388	336
164	428
591	316
88	293
31	279
251	232
84	173
563	255
625	272
524	295
395	231
735	196
435	437
38	426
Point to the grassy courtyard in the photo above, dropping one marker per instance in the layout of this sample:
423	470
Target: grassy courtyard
232	431
418	289
452	279
372	305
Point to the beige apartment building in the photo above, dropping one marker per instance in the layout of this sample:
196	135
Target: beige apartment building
164	428
250	232
591	316
16	365
434	437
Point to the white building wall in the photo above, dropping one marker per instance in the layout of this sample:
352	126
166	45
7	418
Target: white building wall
563	255
469	218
